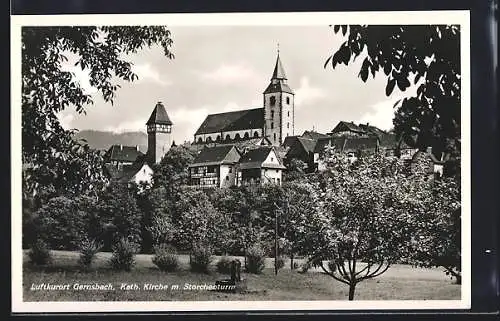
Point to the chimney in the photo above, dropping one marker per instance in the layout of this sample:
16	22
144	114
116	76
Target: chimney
121	147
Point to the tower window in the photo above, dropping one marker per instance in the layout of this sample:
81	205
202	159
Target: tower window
272	113
288	114
288	100
272	100
287	125
272	125
274	136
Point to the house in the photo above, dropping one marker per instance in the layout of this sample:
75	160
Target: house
344	128
120	155
260	166
353	147
215	167
303	149
274	121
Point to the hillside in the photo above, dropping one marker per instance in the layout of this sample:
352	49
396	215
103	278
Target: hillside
103	140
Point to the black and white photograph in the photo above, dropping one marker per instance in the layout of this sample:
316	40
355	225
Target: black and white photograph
209	162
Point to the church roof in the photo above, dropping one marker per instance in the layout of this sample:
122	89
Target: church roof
278	87
234	120
159	116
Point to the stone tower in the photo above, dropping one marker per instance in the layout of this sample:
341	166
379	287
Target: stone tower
278	106
159	127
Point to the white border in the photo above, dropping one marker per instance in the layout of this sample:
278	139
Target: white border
242	19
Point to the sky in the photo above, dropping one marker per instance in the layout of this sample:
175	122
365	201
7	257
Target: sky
225	68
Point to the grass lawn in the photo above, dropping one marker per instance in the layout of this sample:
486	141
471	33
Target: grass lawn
398	283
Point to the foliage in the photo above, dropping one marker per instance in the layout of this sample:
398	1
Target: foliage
118	209
366	214
439	229
88	250
295	169
123	257
165	258
64	222
53	157
224	265
200	258
255	258
280	262
39	254
172	171
430	56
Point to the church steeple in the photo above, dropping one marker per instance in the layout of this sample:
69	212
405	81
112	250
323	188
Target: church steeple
159	127
279	72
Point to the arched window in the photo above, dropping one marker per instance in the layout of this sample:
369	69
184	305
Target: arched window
209	139
272	100
228	137
218	138
256	134
288	100
237	136
246	136
200	140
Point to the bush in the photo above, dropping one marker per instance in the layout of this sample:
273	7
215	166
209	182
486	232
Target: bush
255	260
224	265
123	257
39	253
165	258
88	250
280	262
200	259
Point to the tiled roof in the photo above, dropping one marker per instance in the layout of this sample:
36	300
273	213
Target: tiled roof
307	144
349	125
289	140
279	72
122	153
159	116
235	120
244	143
278	87
212	155
313	135
256	155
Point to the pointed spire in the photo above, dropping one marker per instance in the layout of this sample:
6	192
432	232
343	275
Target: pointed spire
279	72
159	115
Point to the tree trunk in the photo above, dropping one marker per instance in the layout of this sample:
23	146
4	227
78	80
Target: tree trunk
291	262
352	287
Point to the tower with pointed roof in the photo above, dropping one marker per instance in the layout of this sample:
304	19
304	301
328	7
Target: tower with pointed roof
278	106
159	127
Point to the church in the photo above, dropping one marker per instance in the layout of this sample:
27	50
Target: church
274	121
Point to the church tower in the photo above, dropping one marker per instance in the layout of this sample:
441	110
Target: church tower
159	128
278	106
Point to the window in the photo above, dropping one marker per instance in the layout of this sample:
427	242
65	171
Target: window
228	137
274	136
272	113
288	100
288	113
272	159
287	125
230	169
218	138
272	100
209	139
272	126
227	178
246	135
277	171
237	136
200	140
278	181
256	134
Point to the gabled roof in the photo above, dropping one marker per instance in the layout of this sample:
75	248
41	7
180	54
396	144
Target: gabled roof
256	155
234	120
122	153
213	155
289	140
278	87
307	144
313	135
159	116
372	129
343	125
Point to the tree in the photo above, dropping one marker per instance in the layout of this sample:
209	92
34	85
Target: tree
439	229
173	169
365	218
430	55
295	170
52	155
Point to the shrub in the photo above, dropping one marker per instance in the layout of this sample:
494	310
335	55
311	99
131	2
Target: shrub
201	256
123	257
165	258
88	250
255	260
280	262
39	253
224	265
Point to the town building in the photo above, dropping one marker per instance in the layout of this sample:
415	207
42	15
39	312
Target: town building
260	166
215	167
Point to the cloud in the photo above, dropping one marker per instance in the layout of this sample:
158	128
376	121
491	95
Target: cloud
381	114
80	76
307	94
146	73
225	74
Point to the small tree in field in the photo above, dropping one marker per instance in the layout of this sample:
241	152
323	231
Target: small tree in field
364	221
